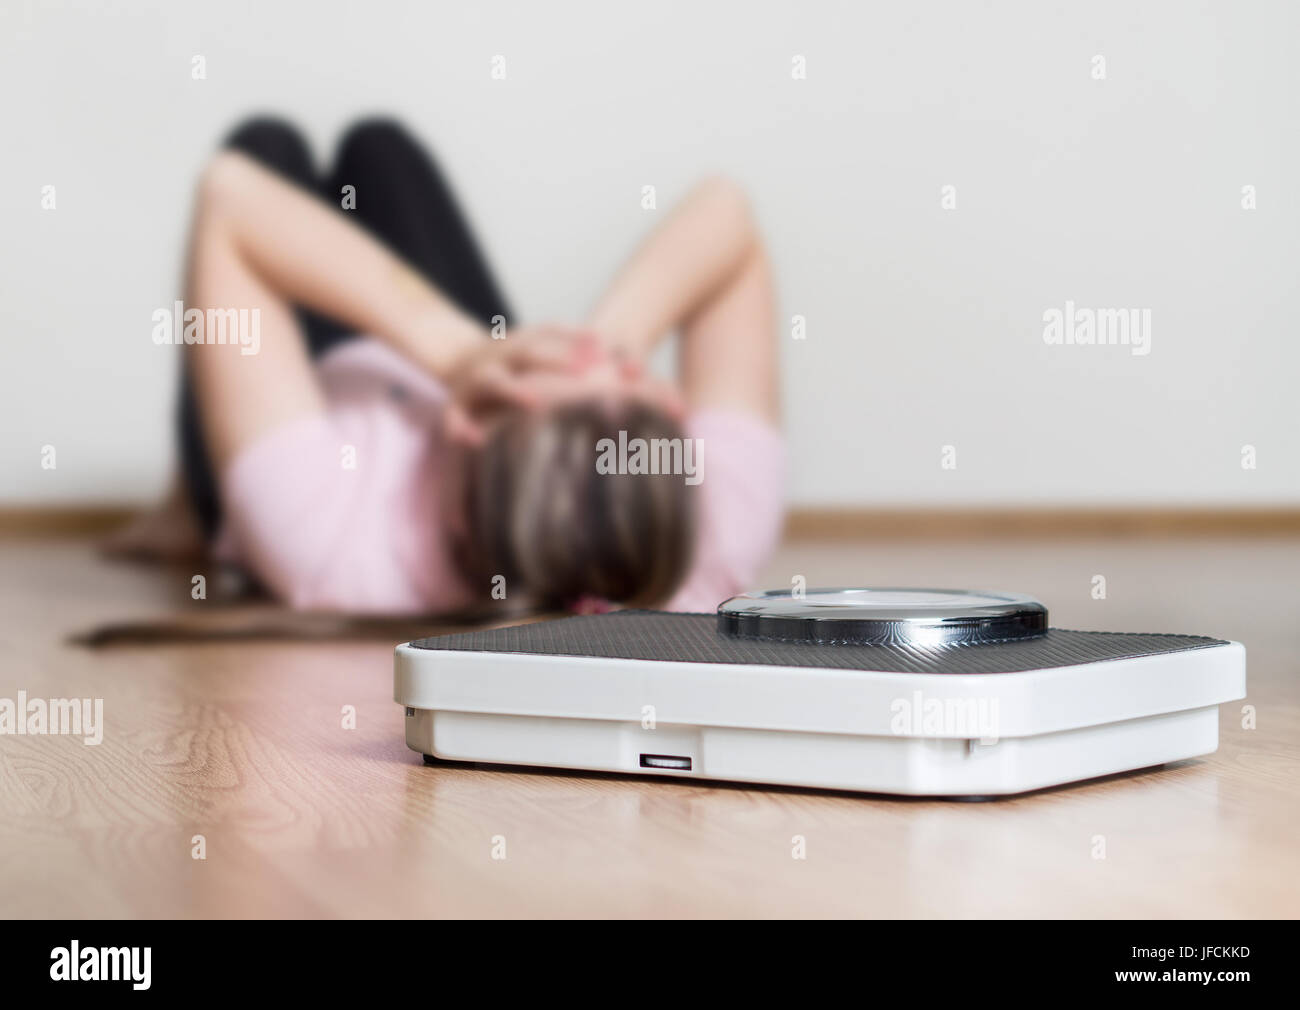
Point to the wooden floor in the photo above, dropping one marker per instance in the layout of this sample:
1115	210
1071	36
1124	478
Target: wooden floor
242	743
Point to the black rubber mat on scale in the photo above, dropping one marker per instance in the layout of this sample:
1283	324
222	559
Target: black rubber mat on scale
658	636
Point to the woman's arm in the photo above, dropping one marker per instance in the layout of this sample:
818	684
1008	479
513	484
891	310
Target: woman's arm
316	257
259	242
703	270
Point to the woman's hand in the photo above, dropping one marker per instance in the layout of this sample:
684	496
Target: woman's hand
503	372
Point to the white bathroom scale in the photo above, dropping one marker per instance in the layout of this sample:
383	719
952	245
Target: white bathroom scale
925	692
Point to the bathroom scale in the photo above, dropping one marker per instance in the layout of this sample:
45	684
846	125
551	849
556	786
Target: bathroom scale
926	692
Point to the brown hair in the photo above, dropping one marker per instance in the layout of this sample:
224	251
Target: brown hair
537	511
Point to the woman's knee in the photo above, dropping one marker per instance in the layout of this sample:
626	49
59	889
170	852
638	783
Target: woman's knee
382	140
275	143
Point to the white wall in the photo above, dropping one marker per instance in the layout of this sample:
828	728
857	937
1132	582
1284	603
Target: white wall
924	325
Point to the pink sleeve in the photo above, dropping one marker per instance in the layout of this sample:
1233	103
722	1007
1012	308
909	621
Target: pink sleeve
288	501
741	506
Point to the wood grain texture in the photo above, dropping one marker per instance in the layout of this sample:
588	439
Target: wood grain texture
242	742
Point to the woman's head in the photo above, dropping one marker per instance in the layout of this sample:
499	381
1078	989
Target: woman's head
537	509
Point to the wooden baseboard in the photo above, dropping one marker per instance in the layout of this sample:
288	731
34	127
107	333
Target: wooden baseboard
846	523
1109	520
62	520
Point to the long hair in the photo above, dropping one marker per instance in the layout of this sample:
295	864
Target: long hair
539	512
